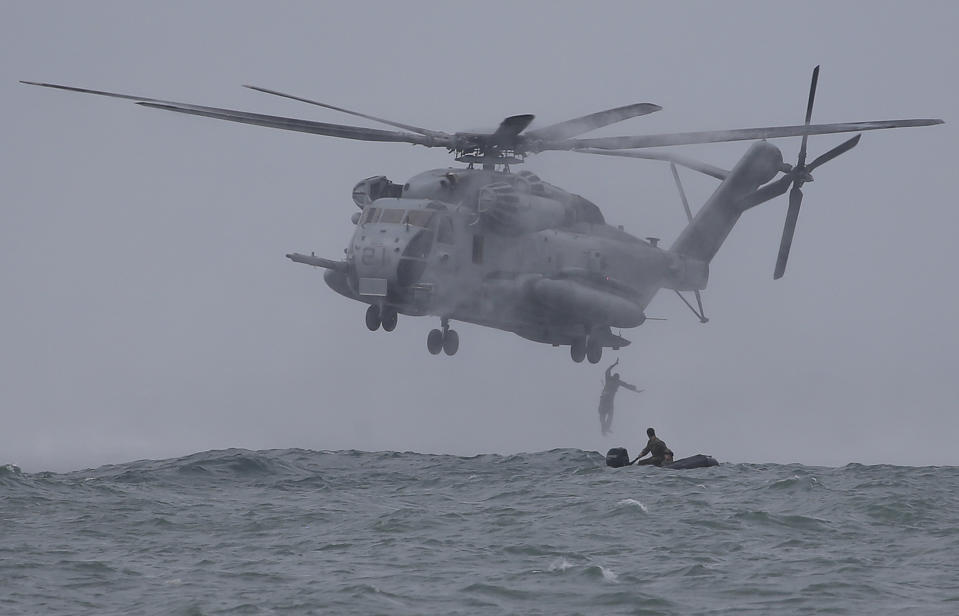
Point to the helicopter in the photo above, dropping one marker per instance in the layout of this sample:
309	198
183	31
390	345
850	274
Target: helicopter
484	245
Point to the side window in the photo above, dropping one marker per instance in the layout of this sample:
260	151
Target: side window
444	233
392	216
420	218
370	215
477	249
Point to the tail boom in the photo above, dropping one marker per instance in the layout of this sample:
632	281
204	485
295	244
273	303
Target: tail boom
703	237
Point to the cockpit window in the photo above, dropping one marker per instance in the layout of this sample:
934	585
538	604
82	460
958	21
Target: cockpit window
392	215
420	218
370	215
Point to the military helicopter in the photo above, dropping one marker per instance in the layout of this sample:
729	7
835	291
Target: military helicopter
483	245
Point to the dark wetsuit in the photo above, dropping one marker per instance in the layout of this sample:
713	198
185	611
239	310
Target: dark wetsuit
610	385
659	451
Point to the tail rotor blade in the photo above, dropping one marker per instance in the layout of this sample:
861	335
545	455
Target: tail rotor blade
795	200
809	103
845	146
812	93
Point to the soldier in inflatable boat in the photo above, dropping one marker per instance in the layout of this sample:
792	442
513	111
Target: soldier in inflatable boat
660	455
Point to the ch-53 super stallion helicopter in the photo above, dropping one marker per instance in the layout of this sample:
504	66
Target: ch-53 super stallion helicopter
511	251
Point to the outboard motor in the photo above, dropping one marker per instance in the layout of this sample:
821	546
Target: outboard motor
617	457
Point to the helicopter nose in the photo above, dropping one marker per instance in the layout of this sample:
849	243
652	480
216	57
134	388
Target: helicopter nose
375	257
389	258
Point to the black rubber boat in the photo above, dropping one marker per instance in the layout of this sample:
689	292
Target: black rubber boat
618	457
700	460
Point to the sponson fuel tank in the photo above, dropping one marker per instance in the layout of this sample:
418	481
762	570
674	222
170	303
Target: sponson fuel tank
592	304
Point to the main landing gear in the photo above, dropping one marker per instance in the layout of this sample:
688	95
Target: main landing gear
446	340
586	347
385	316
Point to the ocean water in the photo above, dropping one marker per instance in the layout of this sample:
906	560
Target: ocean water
349	532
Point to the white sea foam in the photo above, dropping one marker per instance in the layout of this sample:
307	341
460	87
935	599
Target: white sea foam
634	503
608	574
560	564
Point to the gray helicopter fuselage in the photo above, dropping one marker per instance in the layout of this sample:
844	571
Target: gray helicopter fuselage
515	253
500	250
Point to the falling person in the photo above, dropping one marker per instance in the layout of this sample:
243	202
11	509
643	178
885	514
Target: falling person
611	383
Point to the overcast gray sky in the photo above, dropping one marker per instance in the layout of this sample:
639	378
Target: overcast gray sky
148	310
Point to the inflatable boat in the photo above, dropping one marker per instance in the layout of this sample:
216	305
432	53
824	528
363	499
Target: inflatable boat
618	457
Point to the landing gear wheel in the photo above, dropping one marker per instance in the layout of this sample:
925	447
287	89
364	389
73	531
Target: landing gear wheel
451	342
594	352
434	341
577	350
373	318
389	319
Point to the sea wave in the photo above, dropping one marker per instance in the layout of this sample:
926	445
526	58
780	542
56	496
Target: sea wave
357	532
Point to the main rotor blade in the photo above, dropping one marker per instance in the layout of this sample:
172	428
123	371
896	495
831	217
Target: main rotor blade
305	126
682	161
89	91
586	123
809	103
409	127
845	146
512	126
737	134
795	200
